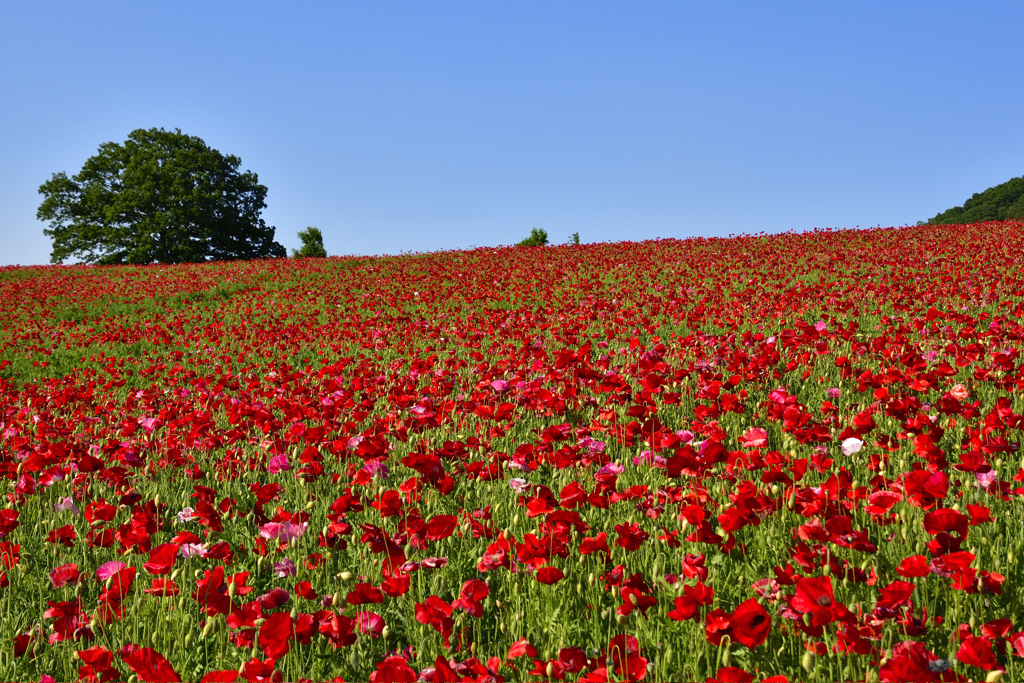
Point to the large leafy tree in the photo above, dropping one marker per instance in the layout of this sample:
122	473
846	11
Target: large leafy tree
161	196
998	203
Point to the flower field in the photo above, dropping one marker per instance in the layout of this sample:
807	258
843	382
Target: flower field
788	457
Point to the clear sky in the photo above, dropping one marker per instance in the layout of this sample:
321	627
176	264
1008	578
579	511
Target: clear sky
419	126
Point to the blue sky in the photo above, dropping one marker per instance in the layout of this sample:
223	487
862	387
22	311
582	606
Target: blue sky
398	127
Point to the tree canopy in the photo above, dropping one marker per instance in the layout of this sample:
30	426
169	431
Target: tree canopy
161	196
538	238
312	244
997	203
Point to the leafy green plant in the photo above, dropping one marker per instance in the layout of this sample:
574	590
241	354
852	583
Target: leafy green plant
312	244
538	238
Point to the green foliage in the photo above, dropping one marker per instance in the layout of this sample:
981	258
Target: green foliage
574	239
160	197
998	203
537	238
312	244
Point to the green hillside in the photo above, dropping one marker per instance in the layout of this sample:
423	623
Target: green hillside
994	204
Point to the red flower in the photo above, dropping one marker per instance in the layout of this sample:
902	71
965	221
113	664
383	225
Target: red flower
631	536
437	614
8	521
64	536
914	566
393	670
440	527
364	594
275	633
161	559
689	603
549	575
473	591
946	520
750	624
977	651
521	648
149	665
814	596
257	671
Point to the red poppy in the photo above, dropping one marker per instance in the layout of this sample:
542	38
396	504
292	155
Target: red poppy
275	633
473	591
436	613
161	559
946	520
914	566
364	594
148	664
549	575
689	603
750	624
977	651
393	670
440	527
521	648
814	596
631	536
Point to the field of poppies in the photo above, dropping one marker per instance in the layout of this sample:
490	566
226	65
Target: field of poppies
787	457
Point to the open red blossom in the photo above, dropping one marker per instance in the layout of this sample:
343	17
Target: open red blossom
229	676
977	651
521	648
689	603
364	594
750	624
473	592
631	536
436	613
161	559
731	674
598	543
275	633
261	671
549	575
914	566
65	574
946	520
440	527
814	596
149	665
393	670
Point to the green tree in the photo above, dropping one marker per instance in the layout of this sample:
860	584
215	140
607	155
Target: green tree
162	197
312	244
574	240
998	203
537	238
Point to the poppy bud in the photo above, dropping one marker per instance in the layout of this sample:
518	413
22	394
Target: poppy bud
632	599
807	661
515	520
501	627
994	676
345	576
232	589
336	601
549	670
621	619
807	619
591	579
668	655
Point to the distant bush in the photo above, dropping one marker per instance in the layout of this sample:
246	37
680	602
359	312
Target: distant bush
312	244
574	239
997	203
537	238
